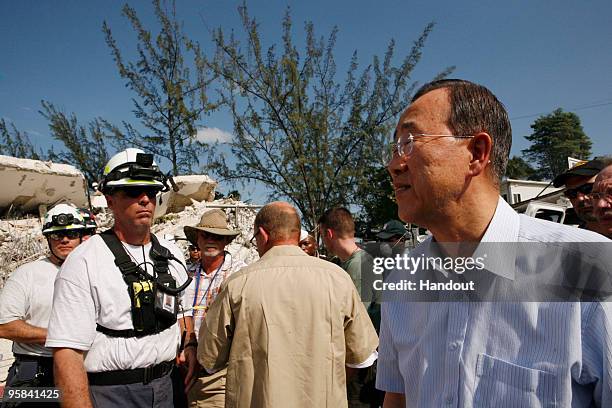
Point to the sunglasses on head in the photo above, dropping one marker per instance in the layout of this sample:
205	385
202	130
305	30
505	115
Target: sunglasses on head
585	189
135	192
70	234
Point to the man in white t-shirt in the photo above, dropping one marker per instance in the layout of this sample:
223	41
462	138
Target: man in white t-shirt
25	301
113	325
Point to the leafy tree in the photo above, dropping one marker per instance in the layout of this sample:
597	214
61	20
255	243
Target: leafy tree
518	168
16	143
298	129
170	99
85	146
555	137
378	201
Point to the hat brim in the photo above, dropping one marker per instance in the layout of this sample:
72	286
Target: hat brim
579	172
191	233
387	235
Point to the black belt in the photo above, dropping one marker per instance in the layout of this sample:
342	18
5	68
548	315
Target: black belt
39	359
136	375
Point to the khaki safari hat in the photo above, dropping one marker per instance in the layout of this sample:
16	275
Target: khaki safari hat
213	222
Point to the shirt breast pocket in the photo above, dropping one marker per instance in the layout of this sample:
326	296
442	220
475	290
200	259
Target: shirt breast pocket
504	384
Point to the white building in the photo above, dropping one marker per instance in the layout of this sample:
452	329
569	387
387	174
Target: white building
514	191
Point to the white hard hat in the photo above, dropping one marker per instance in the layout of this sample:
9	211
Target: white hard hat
132	168
63	217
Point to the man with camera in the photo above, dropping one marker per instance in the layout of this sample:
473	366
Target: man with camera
25	301
113	327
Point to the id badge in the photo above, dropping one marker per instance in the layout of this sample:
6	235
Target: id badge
165	302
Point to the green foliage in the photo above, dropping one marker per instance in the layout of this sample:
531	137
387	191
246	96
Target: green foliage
15	143
518	168
170	99
378	201
298	129
555	137
85	146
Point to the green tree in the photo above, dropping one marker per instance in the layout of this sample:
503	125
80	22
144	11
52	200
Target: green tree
85	147
555	137
16	143
378	201
300	130
170	93
518	168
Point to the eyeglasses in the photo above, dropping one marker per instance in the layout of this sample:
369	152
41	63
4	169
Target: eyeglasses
254	236
601	195
59	235
404	145
135	192
584	189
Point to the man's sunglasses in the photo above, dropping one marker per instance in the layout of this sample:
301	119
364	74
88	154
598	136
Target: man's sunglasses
135	192
193	248
585	189
70	234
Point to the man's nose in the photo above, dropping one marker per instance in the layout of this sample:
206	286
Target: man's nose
396	166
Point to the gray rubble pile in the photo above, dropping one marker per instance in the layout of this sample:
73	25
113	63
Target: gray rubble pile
21	240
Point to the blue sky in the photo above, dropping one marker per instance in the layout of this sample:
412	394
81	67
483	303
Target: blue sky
535	56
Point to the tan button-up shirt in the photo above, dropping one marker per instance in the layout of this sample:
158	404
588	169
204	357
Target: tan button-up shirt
286	326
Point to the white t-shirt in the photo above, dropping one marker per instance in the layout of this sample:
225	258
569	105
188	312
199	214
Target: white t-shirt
27	295
90	289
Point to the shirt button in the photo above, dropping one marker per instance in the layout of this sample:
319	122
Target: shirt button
449	400
453	346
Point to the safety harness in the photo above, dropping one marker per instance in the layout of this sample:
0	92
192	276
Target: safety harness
153	297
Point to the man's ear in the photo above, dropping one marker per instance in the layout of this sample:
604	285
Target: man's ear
329	233
263	233
481	146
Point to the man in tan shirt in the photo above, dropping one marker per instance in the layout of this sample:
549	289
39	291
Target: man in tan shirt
289	326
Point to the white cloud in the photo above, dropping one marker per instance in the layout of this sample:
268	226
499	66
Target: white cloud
211	135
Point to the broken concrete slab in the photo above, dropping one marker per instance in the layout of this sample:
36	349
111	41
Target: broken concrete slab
191	189
27	184
196	187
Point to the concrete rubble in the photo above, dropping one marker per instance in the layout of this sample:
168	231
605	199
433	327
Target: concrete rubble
27	184
21	241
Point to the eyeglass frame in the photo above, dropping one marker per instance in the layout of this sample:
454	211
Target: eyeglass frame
136	191
600	195
254	236
572	193
68	233
397	147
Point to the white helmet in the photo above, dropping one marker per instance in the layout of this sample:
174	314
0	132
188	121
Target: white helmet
132	168
62	217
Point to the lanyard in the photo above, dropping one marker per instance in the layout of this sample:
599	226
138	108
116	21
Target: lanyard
198	273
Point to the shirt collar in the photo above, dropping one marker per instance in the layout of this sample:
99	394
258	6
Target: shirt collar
284	250
498	259
504	227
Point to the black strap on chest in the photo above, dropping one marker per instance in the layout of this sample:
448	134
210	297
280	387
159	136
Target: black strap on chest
144	318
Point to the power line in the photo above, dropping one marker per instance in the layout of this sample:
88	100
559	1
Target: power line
572	109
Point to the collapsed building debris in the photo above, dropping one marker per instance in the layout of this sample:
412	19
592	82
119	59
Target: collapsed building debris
26	184
21	241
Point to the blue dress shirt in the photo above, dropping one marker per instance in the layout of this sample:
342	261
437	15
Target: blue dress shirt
500	354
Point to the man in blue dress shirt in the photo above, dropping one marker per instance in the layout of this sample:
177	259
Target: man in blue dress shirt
450	151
